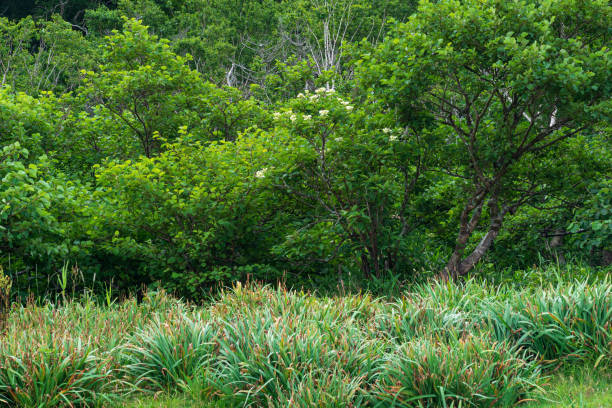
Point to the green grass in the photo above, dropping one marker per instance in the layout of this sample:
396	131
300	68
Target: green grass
578	387
436	345
168	402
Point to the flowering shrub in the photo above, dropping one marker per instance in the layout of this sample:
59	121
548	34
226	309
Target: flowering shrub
341	170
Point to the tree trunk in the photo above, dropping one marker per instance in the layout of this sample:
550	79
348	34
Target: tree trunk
467	226
483	246
457	267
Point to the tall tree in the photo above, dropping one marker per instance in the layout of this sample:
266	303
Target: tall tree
499	83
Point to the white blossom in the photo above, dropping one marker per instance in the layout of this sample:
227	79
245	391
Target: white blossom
349	108
261	173
293	117
393	138
320	90
300	95
313	97
345	103
386	130
323	112
307	117
338	139
276	115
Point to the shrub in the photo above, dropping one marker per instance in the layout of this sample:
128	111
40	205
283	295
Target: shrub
191	217
38	211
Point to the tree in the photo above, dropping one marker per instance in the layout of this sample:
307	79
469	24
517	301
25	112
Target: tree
351	178
152	92
499	84
41	56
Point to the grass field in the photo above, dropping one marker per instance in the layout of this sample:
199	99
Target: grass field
440	345
581	387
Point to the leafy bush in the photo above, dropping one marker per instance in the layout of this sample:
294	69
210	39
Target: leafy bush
190	217
38	207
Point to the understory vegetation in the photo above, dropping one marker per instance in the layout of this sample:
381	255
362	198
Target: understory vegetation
439	344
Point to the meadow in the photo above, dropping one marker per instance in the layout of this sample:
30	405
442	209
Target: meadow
435	345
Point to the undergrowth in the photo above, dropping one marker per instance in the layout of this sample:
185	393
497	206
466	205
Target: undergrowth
437	345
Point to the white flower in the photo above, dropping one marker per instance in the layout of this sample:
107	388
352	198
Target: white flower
307	117
320	90
300	95
276	115
293	117
349	108
261	173
323	112
386	130
338	139
345	103
331	90
392	138
313	97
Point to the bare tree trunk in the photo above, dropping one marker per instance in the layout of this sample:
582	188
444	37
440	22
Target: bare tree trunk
467	226
457	267
495	224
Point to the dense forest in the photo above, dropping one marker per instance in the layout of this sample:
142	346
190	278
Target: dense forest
196	142
305	203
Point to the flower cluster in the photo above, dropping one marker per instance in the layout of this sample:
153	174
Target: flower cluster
261	173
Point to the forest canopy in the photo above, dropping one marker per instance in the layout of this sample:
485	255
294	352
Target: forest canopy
188	143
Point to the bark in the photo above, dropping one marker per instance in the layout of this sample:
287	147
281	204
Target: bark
457	265
497	218
467	226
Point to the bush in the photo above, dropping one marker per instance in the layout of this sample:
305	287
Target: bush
191	217
39	209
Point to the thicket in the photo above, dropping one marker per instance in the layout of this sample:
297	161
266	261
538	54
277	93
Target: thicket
190	144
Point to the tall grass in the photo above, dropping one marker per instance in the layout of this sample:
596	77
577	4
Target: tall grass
466	344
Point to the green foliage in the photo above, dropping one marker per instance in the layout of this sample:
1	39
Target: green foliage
474	371
593	222
165	142
41	55
26	120
144	85
65	375
36	213
345	168
496	89
189	217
